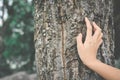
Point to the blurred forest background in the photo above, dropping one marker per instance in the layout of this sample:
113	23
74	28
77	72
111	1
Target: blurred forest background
16	37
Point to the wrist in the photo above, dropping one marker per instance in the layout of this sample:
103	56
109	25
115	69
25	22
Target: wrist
92	62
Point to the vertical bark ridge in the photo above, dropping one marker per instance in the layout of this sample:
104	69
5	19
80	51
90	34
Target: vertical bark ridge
63	55
63	38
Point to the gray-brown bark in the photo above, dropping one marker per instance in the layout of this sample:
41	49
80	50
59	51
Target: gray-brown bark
57	23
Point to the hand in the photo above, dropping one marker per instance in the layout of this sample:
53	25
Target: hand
88	50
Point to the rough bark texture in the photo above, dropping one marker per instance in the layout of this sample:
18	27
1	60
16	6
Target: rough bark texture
117	27
57	23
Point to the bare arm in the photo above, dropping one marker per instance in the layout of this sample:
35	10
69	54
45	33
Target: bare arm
88	51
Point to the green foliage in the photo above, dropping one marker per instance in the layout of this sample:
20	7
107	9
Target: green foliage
18	36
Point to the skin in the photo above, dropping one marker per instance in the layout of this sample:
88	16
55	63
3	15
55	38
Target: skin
88	50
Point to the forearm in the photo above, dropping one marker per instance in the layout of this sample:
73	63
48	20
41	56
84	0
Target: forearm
106	71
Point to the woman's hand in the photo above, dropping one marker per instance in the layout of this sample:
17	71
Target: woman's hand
88	50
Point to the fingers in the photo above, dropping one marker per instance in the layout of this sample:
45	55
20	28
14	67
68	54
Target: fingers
97	36
96	27
89	28
97	33
79	41
100	37
100	42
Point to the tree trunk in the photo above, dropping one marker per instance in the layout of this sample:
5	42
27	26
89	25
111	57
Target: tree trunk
117	28
57	23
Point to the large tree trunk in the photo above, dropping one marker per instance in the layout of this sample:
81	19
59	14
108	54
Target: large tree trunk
57	23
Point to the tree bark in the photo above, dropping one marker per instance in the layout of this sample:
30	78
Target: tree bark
117	28
57	23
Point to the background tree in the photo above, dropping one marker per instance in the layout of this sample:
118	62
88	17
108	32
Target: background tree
57	23
16	36
117	31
